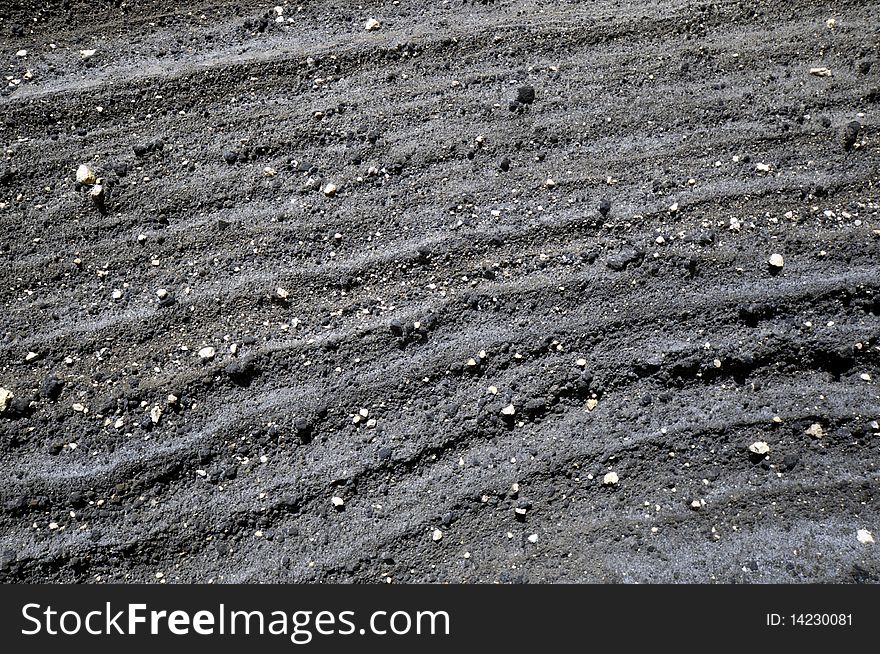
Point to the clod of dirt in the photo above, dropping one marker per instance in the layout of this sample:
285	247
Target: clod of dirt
525	94
850	134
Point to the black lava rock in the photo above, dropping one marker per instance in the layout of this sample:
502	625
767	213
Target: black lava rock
604	207
525	94
51	387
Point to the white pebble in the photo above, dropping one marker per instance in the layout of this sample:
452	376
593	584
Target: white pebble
611	479
207	353
85	175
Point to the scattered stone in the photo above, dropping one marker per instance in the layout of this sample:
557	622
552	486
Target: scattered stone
5	398
79	407
592	403
815	430
337	501
372	24
330	189
155	415
87	54
533	538
30	356
282	293
865	537
509	410
762	167
611	479
549	183
162	293
865	376
820	71
760	448
230	156
207	353
268	171
604	207
776	261
436	535
85	175
504	164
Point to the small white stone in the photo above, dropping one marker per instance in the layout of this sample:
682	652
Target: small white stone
815	430
509	410
117	294
762	168
611	479
865	537
282	293
162	293
549	183
581	363
364	413
533	538
759	447
87	54
820	71
207	353
21	53
437	535
776	260
155	415
865	377
372	25
79	408
85	175
30	356
330	189
5	397
337	501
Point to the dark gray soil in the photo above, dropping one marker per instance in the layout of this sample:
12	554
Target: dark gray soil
651	339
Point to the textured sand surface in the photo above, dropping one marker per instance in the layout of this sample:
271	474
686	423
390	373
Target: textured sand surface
460	267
